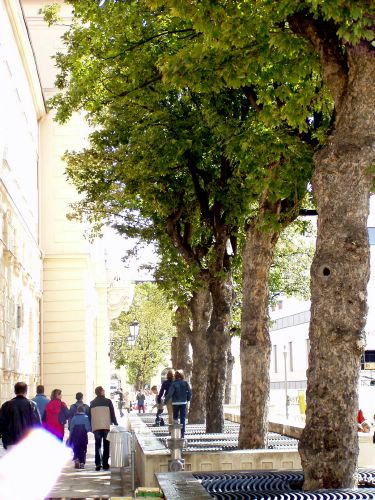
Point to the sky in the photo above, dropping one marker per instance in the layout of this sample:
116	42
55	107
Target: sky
117	247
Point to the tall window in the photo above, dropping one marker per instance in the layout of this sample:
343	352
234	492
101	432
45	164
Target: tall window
275	358
291	356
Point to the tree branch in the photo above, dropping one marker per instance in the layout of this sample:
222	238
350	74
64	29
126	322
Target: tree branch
323	37
201	194
173	231
252	97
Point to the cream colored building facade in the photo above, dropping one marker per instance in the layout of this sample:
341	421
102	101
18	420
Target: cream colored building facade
55	294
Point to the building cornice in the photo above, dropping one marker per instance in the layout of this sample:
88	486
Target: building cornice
21	35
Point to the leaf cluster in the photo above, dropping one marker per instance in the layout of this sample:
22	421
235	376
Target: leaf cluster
155	317
192	132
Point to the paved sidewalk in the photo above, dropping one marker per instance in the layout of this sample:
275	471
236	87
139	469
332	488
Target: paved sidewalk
87	483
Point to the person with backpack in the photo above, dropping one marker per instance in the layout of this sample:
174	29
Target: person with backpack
18	416
74	407
56	415
79	427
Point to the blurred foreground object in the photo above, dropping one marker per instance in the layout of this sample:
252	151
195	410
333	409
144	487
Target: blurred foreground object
30	469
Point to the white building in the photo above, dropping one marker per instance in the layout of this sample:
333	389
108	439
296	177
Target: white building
55	296
289	334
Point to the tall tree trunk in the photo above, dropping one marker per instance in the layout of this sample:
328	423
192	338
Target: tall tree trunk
200	307
219	342
339	276
180	351
255	339
228	383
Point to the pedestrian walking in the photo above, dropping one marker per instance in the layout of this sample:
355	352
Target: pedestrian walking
79	427
102	415
180	394
18	416
159	407
120	401
141	401
74	407
163	392
56	414
127	402
41	400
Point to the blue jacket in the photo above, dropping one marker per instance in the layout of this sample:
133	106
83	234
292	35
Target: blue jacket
41	402
164	389
73	410
79	427
80	419
179	392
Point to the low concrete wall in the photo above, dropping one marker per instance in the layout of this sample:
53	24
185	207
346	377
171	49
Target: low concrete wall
366	457
152	457
290	430
150	463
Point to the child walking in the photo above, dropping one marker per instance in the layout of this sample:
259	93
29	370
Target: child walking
159	407
79	427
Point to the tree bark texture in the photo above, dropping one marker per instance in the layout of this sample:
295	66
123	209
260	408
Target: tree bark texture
200	307
228	382
180	351
255	340
339	276
219	342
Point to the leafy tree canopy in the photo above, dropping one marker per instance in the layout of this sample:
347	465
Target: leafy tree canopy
154	315
161	154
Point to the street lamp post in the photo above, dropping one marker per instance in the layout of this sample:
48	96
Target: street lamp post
286	384
134	329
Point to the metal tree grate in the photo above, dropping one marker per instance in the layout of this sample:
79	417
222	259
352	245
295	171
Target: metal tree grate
284	485
198	440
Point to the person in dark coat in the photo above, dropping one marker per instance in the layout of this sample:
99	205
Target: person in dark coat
163	391
180	394
79	427
18	416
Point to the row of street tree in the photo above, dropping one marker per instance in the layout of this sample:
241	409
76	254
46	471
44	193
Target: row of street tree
212	120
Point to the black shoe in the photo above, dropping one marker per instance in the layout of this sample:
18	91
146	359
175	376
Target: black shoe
97	467
105	467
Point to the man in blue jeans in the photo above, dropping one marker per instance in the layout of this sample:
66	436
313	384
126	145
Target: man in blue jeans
180	393
102	415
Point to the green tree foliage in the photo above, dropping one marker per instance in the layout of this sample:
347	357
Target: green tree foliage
155	317
192	164
290	271
302	59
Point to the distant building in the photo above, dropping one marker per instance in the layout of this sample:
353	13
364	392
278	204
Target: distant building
289	332
56	297
290	346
